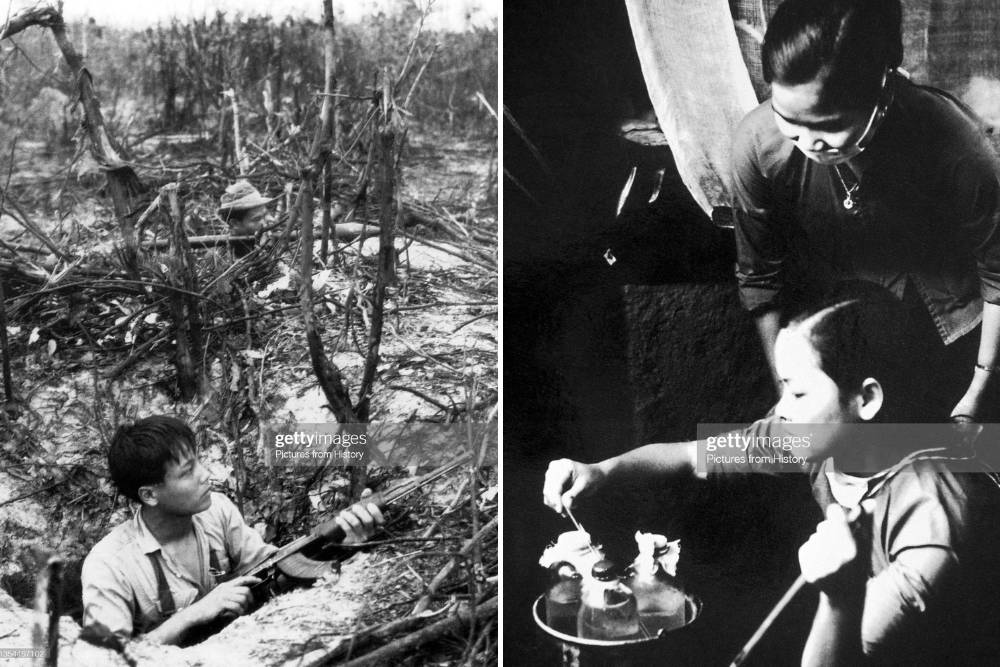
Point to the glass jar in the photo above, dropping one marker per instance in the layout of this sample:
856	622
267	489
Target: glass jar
562	600
661	604
608	608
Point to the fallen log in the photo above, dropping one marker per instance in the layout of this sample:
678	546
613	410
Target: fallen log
391	654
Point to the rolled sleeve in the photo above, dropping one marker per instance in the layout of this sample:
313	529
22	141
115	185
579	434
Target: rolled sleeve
976	187
107	601
926	518
760	248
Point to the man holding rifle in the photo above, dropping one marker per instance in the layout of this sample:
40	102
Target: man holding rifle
159	573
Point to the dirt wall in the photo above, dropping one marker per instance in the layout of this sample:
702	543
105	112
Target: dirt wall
693	357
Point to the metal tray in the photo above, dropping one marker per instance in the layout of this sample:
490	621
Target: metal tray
693	610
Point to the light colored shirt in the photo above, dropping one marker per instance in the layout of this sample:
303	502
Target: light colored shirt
120	594
847	490
934	500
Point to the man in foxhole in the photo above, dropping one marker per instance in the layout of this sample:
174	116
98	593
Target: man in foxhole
244	209
158	574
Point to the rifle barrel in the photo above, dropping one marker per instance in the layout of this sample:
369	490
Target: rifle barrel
334	532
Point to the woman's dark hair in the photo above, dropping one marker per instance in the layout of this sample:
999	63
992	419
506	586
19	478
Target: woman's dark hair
858	338
850	44
140	452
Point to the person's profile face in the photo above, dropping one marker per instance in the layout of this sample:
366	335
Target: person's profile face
808	394
251	222
826	136
185	489
256	217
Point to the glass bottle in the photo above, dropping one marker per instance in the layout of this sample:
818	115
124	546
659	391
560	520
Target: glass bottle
662	605
608	608
562	600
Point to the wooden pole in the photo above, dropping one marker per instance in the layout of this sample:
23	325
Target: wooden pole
48	597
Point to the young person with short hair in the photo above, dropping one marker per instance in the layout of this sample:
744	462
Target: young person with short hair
916	581
158	573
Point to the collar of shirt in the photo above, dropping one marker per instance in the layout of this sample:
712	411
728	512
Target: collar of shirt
148	544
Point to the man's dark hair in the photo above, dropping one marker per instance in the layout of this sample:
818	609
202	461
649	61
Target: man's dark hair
849	44
140	452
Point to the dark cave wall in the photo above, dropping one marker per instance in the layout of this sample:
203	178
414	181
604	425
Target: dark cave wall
694	357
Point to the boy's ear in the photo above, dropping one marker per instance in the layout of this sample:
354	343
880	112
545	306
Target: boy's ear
147	496
870	399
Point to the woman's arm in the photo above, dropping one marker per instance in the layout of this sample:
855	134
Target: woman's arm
768	325
878	617
566	479
829	560
835	636
983	378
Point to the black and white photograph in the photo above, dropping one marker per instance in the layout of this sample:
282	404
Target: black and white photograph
751	304
249	332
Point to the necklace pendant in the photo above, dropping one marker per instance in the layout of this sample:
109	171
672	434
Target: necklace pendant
848	202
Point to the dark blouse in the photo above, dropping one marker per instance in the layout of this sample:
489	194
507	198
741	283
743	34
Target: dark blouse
928	211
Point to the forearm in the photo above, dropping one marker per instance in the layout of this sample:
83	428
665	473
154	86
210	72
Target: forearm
835	636
768	325
989	342
173	630
652	460
984	375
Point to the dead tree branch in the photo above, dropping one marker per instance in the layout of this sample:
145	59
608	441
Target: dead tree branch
327	114
123	183
185	307
8	384
389	140
393	653
364	638
470	545
122	180
331	380
44	16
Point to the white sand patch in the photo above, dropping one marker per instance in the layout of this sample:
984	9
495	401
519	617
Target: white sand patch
419	256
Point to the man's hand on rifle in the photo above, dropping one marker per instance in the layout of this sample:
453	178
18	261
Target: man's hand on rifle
227	600
231	597
360	520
